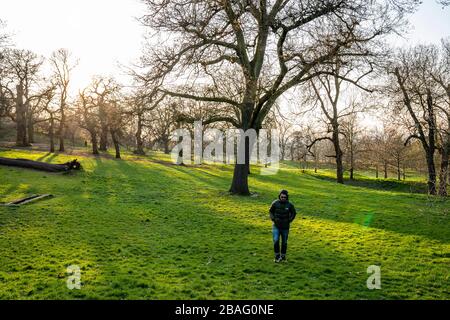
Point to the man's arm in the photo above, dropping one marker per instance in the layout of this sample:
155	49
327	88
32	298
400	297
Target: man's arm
292	212
271	211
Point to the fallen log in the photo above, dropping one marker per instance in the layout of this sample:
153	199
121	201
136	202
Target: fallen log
43	166
26	200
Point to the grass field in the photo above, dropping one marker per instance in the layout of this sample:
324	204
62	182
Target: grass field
141	228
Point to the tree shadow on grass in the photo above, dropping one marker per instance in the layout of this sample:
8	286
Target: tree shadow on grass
51	157
401	213
412	216
379	184
41	158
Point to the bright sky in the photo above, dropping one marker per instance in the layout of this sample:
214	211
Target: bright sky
99	33
430	23
103	33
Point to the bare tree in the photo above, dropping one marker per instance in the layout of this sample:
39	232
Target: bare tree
326	92
101	109
88	119
62	68
116	118
142	103
103	91
46	99
413	90
20	74
6	102
299	150
315	149
271	46
351	131
390	148
163	122
441	76
284	128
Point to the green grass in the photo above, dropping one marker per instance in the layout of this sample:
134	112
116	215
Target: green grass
361	174
140	228
412	185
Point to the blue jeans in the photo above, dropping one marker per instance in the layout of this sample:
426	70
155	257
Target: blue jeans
277	232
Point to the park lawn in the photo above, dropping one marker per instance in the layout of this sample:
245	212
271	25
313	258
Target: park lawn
142	228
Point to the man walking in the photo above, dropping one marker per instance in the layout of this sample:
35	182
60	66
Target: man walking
282	213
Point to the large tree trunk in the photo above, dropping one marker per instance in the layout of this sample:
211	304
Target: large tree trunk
52	134
94	142
431	172
398	170
61	132
139	142
338	151
239	185
443	174
165	142
116	143
339	168
352	161
21	119
352	164
104	139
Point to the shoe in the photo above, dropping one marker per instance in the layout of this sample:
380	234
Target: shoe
277	259
283	257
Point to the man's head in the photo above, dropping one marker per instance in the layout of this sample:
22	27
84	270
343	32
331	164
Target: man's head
283	196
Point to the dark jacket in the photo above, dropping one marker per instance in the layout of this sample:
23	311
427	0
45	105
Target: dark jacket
282	214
